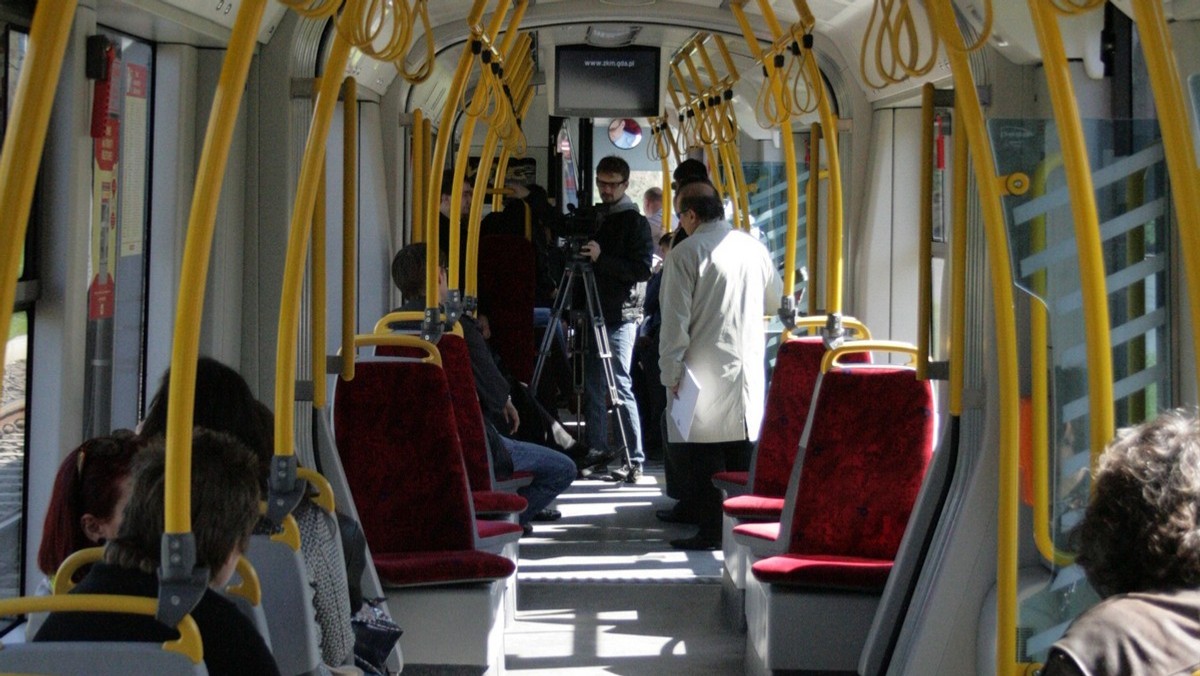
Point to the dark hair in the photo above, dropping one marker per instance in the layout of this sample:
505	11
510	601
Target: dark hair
223	402
688	171
224	503
666	238
408	270
654	193
447	182
1141	531
612	164
88	482
701	197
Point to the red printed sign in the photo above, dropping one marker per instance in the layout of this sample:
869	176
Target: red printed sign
101	296
108	145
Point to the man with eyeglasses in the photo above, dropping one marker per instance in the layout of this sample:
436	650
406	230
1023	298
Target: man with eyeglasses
621	252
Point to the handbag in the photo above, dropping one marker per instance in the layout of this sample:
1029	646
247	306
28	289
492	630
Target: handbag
375	634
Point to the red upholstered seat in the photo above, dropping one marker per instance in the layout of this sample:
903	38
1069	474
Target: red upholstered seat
507	287
396	437
796	369
421	568
864	459
823	571
493	503
753	506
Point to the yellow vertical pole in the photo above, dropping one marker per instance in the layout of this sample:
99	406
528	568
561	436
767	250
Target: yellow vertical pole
194	268
349	229
419	169
958	264
25	136
1177	142
925	282
1087	226
319	305
293	271
971	114
811	218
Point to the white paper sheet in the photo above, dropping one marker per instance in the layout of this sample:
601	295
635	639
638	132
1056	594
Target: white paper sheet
683	409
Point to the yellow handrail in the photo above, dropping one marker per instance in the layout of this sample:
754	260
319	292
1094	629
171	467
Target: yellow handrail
383	326
971	114
1173	118
819	321
63	582
188	644
194	268
1097	329
349	227
289	530
419	168
316	319
832	355
24	137
812	228
324	497
432	354
293	271
958	266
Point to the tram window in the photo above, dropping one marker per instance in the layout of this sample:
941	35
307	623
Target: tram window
117	267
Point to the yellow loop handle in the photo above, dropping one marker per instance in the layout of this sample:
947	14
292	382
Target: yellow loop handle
324	496
432	354
250	587
63	582
819	321
289	533
188	644
830	359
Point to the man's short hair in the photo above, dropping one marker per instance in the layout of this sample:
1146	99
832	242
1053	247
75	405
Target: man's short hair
701	196
613	165
689	171
224	505
1141	531
408	270
653	194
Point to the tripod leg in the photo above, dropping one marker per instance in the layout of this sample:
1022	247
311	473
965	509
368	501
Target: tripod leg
604	352
555	317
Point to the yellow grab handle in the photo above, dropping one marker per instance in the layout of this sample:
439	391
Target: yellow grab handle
831	357
324	496
250	588
62	583
432	354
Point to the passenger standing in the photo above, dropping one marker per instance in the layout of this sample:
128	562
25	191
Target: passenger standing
652	207
652	399
1139	544
621	253
444	207
717	286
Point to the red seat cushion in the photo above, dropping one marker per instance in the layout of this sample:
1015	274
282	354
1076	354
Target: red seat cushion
491	529
497	502
823	571
768	530
420	568
754	507
735	478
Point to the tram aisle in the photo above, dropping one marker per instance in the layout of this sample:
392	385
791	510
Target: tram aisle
601	591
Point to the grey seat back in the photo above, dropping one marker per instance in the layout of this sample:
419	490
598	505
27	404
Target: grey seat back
287	600
95	658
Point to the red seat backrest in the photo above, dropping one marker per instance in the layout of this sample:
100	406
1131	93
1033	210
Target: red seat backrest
396	436
507	286
863	462
797	366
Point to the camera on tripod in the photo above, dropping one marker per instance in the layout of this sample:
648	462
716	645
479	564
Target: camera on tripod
579	226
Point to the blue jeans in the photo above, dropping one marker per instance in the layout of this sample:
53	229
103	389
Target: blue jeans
620	340
541	319
552	472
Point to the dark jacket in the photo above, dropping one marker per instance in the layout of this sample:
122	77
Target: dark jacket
626	254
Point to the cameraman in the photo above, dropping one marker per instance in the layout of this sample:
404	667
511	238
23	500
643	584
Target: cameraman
620	252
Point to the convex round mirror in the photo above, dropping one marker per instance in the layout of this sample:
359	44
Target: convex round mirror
625	133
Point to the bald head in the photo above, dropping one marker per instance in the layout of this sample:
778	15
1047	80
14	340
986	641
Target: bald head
698	200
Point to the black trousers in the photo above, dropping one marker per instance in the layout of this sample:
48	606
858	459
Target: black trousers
696	463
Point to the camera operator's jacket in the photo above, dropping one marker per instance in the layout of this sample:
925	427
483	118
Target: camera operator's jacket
626	253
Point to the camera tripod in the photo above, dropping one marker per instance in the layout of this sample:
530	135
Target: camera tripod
580	267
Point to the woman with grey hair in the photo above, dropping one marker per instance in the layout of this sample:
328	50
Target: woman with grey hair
1139	544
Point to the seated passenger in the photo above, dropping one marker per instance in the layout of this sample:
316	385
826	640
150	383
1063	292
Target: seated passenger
552	471
1139	544
224	509
224	403
89	496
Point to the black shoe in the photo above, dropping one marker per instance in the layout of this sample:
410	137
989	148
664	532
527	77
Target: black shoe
698	543
628	474
594	457
548	514
673	516
526	530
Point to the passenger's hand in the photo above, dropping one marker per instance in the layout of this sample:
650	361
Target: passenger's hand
511	415
591	250
674	390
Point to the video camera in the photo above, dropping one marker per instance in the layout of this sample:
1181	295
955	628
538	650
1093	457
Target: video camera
578	227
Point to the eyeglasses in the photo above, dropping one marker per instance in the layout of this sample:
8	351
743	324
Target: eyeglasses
610	184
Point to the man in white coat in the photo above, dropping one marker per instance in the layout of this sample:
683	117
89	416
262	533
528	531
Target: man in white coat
718	284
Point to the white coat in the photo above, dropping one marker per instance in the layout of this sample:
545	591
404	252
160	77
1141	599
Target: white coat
717	286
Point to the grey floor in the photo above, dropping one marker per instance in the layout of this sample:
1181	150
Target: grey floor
601	591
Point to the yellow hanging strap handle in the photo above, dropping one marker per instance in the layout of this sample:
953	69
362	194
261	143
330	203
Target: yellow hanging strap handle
284	492
1097	332
25	136
830	360
999	264
1175	122
180	583
432	354
188	644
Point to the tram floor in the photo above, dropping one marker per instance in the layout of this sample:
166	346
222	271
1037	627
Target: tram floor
602	592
